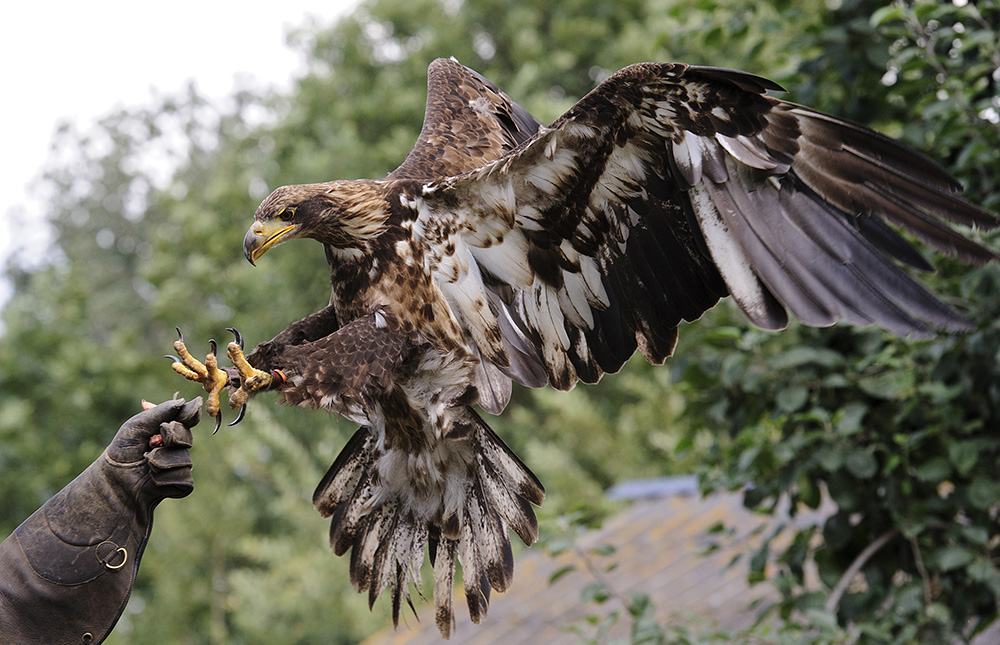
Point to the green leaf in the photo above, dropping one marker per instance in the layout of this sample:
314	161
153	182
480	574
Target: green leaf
963	455
938	613
595	591
604	550
559	573
861	463
558	546
952	557
829	458
886	14
758	563
809	493
982	570
792	398
821	618
888	384
910	601
848	419
747	458
978	535
984	492
935	470
639	603
799	356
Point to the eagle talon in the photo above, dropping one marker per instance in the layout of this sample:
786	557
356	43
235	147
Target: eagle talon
237	334
208	373
239	417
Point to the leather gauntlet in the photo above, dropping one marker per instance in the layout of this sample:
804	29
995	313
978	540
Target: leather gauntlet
66	573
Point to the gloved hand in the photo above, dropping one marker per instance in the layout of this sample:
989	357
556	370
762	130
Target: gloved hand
168	464
67	571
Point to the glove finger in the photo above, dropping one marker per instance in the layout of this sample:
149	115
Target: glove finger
175	434
132	438
190	414
167	458
172	476
151	418
176	482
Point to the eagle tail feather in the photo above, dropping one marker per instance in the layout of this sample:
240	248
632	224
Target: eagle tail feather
387	525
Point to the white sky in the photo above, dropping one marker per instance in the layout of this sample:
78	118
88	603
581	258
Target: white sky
79	60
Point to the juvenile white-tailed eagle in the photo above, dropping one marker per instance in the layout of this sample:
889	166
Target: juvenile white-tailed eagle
502	250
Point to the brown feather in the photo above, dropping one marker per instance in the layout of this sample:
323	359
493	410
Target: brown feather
468	122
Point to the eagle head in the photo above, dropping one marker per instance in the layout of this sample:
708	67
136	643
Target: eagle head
347	215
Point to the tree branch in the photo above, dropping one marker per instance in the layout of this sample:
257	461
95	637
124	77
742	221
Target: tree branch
928	592
863	557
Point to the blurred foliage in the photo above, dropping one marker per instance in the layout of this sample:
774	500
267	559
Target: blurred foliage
900	434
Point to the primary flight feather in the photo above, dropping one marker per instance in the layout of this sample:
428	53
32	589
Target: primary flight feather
505	251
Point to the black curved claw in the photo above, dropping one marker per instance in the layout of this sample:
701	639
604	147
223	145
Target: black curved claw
215	348
239	417
172	357
239	338
218	422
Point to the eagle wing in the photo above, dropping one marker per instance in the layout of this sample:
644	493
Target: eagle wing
468	122
666	188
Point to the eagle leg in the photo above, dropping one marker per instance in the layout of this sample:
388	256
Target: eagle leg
252	380
207	373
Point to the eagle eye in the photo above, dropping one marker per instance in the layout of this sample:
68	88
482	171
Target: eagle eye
286	214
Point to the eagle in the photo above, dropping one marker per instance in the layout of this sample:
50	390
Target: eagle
502	250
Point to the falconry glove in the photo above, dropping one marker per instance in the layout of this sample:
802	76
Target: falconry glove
67	571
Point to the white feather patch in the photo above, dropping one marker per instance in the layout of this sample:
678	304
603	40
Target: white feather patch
751	151
687	156
497	198
729	256
507	261
623	176
551	176
579	130
595	283
573	300
467	299
550	316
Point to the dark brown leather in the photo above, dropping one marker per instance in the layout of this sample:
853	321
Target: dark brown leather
66	573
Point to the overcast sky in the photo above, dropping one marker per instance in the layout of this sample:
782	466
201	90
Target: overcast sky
80	60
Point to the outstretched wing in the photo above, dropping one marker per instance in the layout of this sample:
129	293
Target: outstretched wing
666	188
468	122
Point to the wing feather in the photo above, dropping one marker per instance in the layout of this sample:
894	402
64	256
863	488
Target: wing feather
468	122
669	187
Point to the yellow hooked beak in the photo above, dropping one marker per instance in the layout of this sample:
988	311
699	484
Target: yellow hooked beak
264	235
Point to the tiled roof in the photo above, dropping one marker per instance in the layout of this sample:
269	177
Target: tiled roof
658	543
